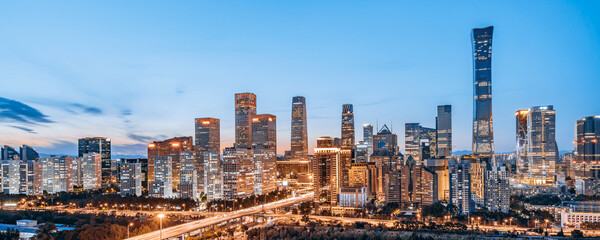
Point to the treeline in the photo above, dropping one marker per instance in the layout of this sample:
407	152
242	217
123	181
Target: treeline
87	226
331	233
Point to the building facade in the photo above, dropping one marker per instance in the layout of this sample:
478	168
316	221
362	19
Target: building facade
101	146
245	109
173	148
483	131
238	173
299	142
131	179
444	131
208	138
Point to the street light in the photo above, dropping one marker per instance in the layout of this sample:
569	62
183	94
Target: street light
128	225
160	217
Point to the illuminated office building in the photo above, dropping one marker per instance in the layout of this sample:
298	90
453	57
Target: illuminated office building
385	141
364	175
238	173
587	142
444	131
57	174
130	181
362	152
348	139
162	184
440	167
483	131
425	186
264	144
173	148
415	137
537	152
522	142
245	109
188	176
397	186
10	176
460	185
325	170
101	146
30	177
497	189
144	170
91	171
208	138
213	176
299	143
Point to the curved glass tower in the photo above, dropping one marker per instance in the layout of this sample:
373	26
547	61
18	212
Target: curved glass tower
483	131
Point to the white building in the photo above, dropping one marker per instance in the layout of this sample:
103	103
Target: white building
574	219
91	171
57	174
131	179
213	176
162	186
10	176
353	196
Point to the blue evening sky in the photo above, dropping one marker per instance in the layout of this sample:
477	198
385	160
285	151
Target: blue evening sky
138	71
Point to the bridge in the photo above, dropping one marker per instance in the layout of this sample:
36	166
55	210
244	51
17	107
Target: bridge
194	227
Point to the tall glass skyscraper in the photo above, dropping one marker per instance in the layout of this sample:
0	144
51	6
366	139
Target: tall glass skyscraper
245	109
483	131
587	142
536	145
299	144
348	139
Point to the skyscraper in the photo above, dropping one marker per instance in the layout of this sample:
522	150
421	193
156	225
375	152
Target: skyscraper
238	174
537	152
325	170
91	172
415	137
587	142
213	176
348	139
264	145
444	131
27	153
521	130
368	139
131	179
208	138
245	109
299	144
101	146
57	174
460	185
483	131
172	147
9	153
162	185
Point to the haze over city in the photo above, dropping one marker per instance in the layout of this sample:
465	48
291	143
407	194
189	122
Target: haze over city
137	72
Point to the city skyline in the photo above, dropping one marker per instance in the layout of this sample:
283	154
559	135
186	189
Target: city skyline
141	110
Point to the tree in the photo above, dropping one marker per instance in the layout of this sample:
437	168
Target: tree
305	218
10	234
577	234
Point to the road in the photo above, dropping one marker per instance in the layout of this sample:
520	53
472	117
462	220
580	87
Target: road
181	229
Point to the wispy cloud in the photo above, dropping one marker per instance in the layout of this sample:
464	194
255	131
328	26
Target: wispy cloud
144	139
15	111
80	108
29	130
